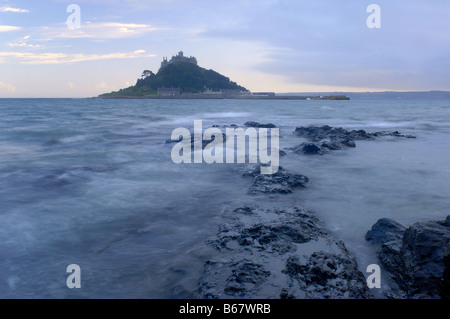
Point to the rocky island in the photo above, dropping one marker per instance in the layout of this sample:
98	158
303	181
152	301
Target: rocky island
182	78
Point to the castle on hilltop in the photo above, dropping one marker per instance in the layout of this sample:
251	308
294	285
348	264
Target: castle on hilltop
178	58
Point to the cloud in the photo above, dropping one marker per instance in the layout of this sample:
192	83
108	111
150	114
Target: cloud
102	30
22	43
6	28
5	87
328	43
65	58
16	10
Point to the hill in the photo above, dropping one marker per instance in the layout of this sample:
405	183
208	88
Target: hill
188	77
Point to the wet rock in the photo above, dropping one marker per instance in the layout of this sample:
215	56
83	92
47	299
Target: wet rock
279	253
319	133
225	126
332	145
385	230
327	275
244	275
278	234
280	182
259	125
445	287
395	133
347	143
387	235
204	142
308	149
413	256
323	139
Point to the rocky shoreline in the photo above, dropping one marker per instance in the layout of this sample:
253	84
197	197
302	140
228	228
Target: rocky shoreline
278	251
417	258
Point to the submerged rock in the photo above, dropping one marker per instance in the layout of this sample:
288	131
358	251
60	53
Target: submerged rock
279	253
414	256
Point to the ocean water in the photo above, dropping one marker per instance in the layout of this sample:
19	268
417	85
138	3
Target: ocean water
91	182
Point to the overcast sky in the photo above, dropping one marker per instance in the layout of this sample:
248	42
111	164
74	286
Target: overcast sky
263	45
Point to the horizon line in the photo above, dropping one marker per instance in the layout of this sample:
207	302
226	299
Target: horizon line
296	92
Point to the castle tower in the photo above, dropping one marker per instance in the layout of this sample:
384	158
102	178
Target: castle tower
178	58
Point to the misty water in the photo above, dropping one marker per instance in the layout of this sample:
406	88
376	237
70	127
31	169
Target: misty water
91	182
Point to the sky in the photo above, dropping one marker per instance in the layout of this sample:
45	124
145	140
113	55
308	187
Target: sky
264	45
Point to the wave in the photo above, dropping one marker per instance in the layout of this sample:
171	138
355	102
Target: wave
225	115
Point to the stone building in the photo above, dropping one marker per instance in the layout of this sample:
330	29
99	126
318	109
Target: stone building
178	58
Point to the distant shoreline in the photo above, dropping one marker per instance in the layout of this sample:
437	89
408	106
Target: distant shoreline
217	97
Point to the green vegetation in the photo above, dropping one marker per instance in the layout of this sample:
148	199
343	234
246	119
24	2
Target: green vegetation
186	76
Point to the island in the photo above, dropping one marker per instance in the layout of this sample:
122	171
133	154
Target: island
182	78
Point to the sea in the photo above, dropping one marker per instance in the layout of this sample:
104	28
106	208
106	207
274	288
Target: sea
91	182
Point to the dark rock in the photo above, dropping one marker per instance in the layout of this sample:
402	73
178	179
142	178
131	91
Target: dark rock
322	147
385	230
319	133
423	249
328	275
387	234
326	138
414	256
332	145
204	142
445	286
259	125
396	134
279	182
244	273
283	253
310	149
276	235
224	126
348	143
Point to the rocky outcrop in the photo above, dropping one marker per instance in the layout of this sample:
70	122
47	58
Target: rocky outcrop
323	139
193	139
286	252
259	125
281	182
319	133
414	256
283	253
